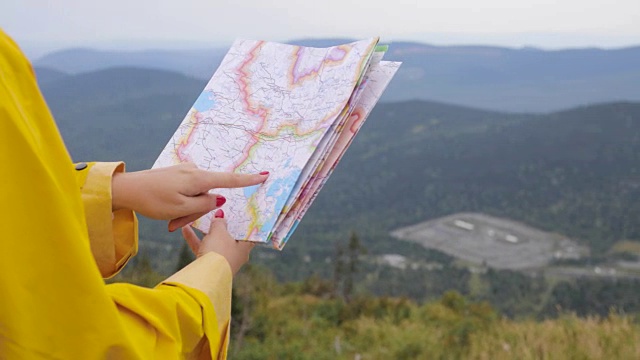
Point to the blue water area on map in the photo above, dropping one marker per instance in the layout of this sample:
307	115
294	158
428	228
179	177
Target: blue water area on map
250	190
204	102
282	187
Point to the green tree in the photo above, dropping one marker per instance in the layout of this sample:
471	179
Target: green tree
339	269
354	250
346	266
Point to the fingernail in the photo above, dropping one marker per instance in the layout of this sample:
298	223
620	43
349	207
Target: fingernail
220	200
264	173
219	214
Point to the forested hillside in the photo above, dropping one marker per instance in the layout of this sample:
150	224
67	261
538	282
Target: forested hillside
575	172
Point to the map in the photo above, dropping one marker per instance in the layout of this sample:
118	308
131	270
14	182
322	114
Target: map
278	108
378	77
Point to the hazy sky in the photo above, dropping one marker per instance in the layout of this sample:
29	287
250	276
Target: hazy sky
542	23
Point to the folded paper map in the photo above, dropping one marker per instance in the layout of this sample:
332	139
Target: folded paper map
290	110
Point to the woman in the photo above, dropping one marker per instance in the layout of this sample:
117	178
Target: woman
67	226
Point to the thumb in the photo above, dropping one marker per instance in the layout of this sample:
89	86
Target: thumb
218	239
185	220
218	223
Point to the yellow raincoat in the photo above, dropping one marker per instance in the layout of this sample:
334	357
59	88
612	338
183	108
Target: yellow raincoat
58	240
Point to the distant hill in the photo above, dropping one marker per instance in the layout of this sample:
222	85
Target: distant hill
576	172
118	84
45	75
198	63
120	113
514	80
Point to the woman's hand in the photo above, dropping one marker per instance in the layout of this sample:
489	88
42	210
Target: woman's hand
178	193
219	241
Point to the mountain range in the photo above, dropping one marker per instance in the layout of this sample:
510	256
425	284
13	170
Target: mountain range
505	79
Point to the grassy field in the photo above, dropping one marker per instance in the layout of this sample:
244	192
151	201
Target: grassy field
310	320
306	327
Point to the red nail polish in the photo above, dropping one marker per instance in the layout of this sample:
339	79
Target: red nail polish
219	214
220	200
264	173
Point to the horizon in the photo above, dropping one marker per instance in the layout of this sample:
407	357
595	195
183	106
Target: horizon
147	24
36	50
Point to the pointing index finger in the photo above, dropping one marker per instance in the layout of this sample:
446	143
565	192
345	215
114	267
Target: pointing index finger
232	180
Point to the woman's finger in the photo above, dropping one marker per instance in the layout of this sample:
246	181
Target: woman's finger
214	180
191	238
177	223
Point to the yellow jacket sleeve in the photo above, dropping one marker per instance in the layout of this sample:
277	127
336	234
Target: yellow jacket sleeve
185	322
54	303
113	235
